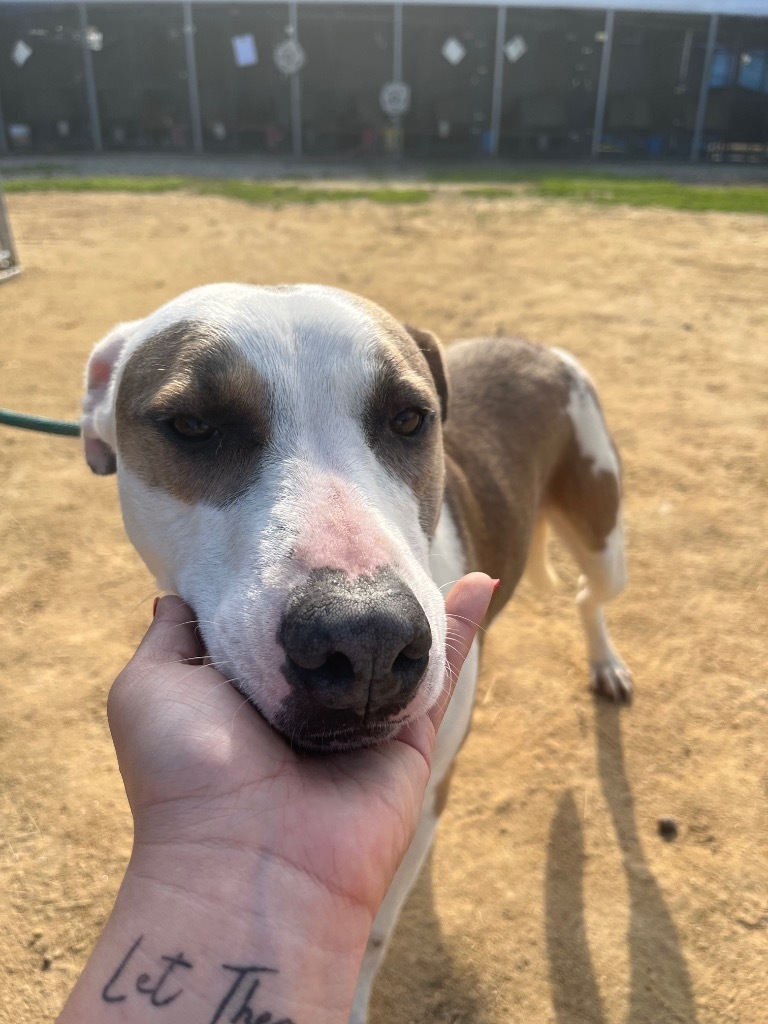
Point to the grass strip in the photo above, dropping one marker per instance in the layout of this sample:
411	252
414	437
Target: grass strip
278	192
671	195
260	192
580	187
616	191
142	185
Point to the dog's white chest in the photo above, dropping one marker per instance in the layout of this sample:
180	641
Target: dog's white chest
447	563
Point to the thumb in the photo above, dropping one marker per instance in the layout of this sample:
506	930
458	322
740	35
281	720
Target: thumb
170	640
172	636
465	606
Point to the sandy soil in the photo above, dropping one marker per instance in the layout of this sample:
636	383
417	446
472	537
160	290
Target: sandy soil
550	897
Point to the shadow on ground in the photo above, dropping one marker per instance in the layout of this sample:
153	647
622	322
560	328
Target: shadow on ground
424	980
659	982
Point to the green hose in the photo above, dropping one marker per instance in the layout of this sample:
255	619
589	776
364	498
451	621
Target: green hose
41	423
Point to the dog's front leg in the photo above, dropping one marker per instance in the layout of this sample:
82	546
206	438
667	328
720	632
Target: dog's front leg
452	733
386	919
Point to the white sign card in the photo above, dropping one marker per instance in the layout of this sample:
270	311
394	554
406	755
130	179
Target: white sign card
244	49
395	98
453	51
289	56
21	53
515	49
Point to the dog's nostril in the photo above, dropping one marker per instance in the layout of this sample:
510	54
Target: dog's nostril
405	663
338	666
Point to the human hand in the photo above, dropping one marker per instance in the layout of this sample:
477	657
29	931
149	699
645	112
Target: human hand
256	871
204	771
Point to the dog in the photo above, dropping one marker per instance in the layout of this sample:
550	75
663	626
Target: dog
310	475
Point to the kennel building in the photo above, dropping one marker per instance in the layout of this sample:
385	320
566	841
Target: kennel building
679	79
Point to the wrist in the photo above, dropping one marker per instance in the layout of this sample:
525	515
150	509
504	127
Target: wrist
247	890
204	932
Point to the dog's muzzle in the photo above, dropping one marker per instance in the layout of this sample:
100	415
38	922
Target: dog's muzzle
356	651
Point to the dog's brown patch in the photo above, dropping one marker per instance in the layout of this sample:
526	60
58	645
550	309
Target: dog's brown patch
511	449
504	438
431	349
190	369
407	377
590	501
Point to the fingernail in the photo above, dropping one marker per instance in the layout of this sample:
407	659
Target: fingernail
496	585
154	607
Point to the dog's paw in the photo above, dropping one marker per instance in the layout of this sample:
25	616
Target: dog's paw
612	679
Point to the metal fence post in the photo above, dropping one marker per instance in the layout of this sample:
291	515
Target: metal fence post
397	42
296	132
602	85
9	261
194	92
90	81
3	139
498	79
397	68
706	74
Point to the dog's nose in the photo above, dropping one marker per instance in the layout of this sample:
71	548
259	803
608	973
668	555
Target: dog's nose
357	645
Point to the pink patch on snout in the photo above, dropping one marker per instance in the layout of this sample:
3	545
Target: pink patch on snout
341	534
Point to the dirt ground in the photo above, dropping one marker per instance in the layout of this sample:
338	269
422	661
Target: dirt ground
550	896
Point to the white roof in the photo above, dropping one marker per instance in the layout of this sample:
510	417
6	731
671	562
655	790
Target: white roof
757	8
749	7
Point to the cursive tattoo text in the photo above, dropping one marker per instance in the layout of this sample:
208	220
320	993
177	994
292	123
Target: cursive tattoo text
164	986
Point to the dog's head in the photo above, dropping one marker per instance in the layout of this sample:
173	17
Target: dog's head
280	467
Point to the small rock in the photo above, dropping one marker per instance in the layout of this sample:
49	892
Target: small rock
667	828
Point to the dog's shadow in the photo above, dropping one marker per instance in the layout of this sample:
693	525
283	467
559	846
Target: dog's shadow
659	982
421	981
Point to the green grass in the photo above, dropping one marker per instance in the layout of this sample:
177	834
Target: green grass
94	184
263	192
277	192
655	192
614	190
584	186
493	191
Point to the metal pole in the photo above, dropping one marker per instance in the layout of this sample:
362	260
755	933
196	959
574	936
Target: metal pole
498	80
685	59
602	85
397	67
397	43
9	260
293	20
3	139
194	94
90	81
706	74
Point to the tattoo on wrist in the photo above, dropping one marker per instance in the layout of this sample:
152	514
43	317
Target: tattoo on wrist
238	990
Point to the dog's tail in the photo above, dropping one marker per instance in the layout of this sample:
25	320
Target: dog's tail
538	569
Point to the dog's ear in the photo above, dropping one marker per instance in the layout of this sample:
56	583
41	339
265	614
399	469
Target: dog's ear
97	420
432	352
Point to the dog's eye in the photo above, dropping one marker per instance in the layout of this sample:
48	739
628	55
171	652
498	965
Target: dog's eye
192	428
407	423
